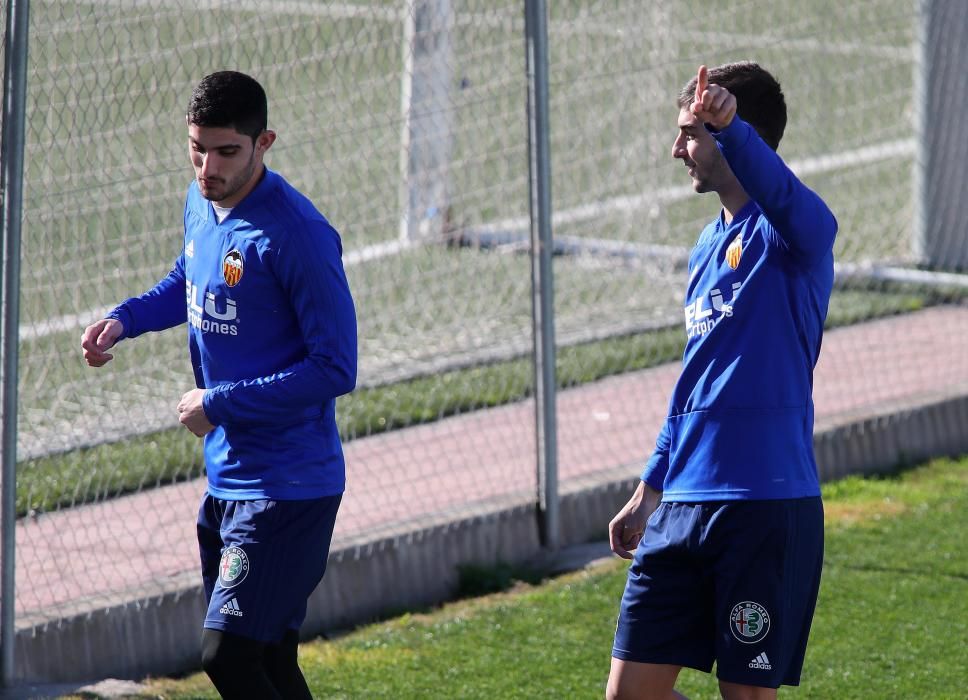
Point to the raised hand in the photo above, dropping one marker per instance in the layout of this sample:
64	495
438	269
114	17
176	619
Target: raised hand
713	105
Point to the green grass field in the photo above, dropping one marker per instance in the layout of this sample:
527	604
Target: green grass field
892	619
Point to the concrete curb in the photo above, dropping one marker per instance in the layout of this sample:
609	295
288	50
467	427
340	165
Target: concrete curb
392	572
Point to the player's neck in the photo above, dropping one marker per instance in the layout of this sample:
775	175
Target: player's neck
733	200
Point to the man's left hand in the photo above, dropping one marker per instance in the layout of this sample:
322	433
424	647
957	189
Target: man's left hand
191	413
713	104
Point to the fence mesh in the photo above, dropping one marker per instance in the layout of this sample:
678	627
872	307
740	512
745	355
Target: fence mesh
405	122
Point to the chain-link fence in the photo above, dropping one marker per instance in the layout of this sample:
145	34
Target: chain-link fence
406	123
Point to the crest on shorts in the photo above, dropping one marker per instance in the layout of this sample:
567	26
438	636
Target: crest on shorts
232	265
735	251
233	567
749	622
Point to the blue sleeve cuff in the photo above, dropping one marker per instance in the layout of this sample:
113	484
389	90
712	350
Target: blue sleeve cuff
210	402
736	134
122	316
655	471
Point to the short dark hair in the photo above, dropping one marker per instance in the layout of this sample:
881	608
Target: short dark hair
759	98
230	99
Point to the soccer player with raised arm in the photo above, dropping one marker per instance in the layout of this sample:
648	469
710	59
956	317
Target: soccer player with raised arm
272	341
725	530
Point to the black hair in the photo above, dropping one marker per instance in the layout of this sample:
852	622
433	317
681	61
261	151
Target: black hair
230	99
759	98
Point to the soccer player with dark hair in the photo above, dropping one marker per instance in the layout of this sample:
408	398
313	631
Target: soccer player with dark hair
725	530
272	340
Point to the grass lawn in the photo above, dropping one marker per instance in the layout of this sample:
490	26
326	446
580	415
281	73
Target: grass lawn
892	620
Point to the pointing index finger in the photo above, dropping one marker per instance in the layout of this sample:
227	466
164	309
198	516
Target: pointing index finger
702	81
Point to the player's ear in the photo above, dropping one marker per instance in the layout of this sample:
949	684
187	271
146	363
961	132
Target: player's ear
265	140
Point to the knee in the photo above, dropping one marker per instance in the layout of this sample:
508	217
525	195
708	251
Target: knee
214	655
210	662
614	690
223	652
283	656
735	691
642	682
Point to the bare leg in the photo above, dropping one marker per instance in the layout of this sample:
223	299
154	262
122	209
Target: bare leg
735	691
630	680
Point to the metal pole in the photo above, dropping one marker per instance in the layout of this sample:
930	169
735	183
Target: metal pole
922	65
542	284
11	191
428	115
941	208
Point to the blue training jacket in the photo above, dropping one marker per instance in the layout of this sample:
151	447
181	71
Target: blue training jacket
272	337
740	423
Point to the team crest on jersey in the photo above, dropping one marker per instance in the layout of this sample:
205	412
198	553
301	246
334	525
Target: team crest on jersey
735	251
749	622
233	568
232	265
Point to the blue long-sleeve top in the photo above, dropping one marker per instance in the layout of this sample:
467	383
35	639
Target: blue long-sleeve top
740	423
272	339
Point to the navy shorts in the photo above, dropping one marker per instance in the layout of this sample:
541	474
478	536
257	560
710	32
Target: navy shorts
732	582
261	560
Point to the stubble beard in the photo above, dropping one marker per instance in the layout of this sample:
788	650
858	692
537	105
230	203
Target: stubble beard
700	183
710	177
231	187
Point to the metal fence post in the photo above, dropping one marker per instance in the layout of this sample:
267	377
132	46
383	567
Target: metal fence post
427	119
941	208
11	190
542	283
